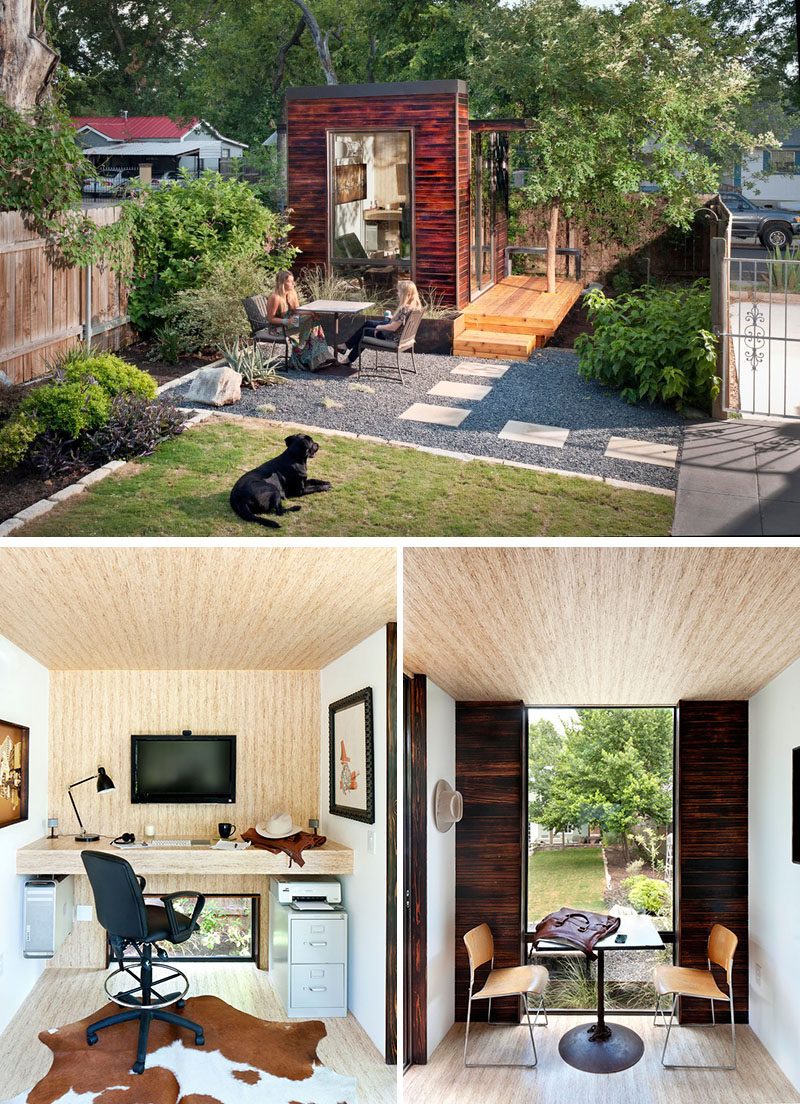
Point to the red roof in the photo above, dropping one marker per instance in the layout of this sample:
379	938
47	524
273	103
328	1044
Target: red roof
135	126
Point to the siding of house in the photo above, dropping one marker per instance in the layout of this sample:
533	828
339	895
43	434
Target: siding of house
773	188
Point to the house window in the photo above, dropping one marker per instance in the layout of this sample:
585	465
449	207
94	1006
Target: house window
227	930
782	161
370	204
226	151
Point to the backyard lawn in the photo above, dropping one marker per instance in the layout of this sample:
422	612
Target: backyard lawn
379	490
573	876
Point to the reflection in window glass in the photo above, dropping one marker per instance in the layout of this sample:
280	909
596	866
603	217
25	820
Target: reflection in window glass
371	205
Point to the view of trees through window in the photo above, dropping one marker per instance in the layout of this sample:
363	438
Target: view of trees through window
600	785
225	929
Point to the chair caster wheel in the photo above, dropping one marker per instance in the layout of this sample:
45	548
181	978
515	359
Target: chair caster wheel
199	1040
181	1004
138	1067
91	1039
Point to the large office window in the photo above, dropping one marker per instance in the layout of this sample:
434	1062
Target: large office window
600	837
370	202
227	929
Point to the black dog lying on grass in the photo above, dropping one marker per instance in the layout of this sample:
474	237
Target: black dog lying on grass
262	490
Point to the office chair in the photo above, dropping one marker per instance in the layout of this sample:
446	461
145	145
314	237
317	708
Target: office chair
121	909
684	981
512	981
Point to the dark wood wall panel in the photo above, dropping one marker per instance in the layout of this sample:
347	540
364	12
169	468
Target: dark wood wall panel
464	167
417	844
432	118
390	1050
711	858
490	849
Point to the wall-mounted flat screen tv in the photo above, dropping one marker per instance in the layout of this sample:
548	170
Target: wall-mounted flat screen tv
185	769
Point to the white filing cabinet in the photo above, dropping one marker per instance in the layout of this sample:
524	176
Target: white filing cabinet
308	958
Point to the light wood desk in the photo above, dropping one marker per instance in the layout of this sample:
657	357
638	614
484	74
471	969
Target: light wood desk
169	870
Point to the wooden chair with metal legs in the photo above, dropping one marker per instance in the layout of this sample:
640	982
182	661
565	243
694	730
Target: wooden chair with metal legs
515	981
684	982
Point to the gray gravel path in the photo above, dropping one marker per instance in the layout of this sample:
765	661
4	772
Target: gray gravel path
545	390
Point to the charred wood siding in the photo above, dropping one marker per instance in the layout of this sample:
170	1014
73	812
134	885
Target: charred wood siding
416	843
464	168
490	849
432	119
711	864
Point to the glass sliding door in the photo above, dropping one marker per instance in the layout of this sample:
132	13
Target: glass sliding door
371	204
482	210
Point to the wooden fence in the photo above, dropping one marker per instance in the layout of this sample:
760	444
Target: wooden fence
43	305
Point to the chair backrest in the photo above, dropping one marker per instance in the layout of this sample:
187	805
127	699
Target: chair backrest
722	944
255	307
350	246
117	895
480	946
408	333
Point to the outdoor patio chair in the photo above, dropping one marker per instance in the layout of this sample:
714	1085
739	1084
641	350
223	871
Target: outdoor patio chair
511	982
685	982
262	330
405	344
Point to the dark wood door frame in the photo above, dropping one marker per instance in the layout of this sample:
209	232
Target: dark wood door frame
416	869
391	844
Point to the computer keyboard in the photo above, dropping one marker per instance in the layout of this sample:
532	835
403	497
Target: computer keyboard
179	843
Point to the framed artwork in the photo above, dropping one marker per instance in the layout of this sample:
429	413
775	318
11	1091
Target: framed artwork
351	183
352	757
13	773
796	805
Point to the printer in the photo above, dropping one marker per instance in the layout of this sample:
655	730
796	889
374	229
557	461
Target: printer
308	893
308	945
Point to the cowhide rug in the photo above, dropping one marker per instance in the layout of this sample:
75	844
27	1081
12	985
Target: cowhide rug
244	1061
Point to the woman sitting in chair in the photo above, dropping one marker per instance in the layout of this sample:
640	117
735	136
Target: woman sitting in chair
282	311
408	301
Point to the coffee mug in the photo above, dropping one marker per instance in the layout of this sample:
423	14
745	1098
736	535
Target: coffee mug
226	830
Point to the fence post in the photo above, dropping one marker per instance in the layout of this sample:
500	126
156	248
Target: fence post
719	311
87	328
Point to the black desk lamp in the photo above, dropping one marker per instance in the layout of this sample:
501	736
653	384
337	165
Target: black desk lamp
104	784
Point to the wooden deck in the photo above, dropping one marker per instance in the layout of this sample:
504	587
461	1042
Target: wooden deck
513	318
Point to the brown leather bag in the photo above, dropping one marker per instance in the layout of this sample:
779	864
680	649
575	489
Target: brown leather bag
575	928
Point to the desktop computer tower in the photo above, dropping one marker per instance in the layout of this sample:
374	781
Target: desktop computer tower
48	904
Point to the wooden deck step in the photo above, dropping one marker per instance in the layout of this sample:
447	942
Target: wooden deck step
494	346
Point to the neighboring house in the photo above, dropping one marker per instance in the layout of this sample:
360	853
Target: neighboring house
125	141
771	177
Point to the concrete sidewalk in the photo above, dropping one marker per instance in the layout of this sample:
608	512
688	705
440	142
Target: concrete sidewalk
739	479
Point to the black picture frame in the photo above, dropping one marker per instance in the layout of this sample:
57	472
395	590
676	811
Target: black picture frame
796	805
359	733
14	782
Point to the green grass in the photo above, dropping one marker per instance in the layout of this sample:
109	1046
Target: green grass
574	876
379	490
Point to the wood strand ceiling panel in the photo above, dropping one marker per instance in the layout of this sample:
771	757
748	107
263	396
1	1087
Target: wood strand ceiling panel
194	608
600	626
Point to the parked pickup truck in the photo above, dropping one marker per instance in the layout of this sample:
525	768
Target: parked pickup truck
774	227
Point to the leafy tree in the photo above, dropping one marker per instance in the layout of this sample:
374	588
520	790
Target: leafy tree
615	769
544	751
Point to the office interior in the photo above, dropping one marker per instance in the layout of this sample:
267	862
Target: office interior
713	633
100	643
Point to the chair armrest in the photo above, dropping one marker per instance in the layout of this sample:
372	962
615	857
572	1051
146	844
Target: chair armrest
176	932
142	881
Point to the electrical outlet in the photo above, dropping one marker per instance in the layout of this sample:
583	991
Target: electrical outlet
371	841
758	973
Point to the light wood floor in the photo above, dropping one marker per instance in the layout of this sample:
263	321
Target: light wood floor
62	996
757	1080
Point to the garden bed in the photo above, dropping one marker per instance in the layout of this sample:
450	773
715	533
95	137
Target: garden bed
142	355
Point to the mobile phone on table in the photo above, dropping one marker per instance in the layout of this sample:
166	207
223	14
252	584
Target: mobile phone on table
620	939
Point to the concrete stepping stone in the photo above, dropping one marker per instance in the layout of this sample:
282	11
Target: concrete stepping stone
490	371
451	389
532	434
436	415
642	452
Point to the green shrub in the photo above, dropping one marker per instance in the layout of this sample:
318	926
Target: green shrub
16	437
211	315
653	344
646	894
179	233
69	408
113	374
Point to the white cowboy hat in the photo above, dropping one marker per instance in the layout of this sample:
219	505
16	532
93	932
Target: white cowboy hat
448	806
279	826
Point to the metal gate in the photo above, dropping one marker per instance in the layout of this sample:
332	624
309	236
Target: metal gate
761	335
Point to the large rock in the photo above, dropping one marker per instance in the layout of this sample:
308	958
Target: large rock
216	387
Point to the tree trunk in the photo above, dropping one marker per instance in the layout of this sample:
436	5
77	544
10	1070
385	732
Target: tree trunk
563	840
552	238
320	41
27	62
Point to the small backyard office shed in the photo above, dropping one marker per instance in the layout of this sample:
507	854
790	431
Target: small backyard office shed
388	181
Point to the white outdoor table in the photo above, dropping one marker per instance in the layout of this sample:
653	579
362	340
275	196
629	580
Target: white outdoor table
601	1047
336	307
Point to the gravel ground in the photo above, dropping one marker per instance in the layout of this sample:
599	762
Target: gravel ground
545	390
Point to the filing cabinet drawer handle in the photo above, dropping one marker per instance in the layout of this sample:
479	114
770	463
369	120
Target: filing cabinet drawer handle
309	944
317	988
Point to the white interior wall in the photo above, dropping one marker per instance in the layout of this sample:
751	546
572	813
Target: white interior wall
441	763
774	879
364	891
23	700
